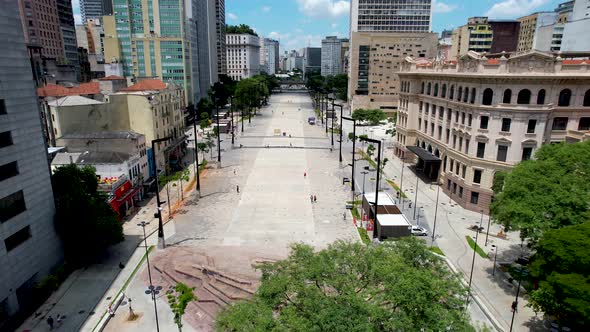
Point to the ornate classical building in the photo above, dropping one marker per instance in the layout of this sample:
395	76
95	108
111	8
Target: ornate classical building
462	121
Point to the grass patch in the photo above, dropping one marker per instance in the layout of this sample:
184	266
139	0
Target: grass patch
336	130
364	235
355	202
202	165
436	250
395	187
355	213
478	249
368	159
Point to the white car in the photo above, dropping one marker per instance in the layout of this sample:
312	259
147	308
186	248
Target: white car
419	231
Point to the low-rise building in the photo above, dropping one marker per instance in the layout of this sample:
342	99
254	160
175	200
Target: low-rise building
243	55
465	120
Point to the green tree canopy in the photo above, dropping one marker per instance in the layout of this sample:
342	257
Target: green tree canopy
178	300
353	287
562	266
550	192
372	116
248	92
242	28
84	220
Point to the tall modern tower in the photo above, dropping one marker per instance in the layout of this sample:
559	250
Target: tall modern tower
390	15
331	56
269	56
29	245
95	9
220	39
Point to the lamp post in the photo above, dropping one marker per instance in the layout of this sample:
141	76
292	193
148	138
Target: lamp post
416	196
515	304
161	241
418	219
495	256
242	115
152	290
401	184
353	146
364	173
231	111
196	153
435	210
488	232
473	262
218	134
378	142
341	130
326	109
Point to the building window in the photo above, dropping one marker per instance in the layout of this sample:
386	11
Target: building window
12	205
507	96
524	97
449	185
502	152
483	122
451	165
457	116
462	118
8	170
465	95
5	139
454	187
448	135
436	89
559	123
481	149
564	97
17	238
443	93
428	89
473	93
476	176
506	124
459	93
474	198
527	153
452	92
488	96
466	146
463	171
584	124
2	107
531	126
469	120
585	103
454	141
541	97
422	90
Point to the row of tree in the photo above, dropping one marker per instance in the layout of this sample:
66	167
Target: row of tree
547	199
328	84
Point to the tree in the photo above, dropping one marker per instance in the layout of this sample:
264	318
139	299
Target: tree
550	192
562	266
178	300
180	176
240	29
204	106
372	116
353	287
85	221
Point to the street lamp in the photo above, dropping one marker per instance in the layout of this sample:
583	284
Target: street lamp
341	130
353	146
495	256
231	110
151	289
435	210
364	173
416	195
161	240
196	152
218	134
473	262
418	219
488	232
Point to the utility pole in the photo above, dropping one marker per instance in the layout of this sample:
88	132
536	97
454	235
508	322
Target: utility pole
161	240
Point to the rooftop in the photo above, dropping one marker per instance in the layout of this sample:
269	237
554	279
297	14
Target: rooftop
148	84
393	220
54	90
384	198
104	135
89	158
73	101
112	78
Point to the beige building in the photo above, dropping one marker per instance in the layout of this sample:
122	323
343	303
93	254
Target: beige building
463	121
535	31
476	36
375	58
150	107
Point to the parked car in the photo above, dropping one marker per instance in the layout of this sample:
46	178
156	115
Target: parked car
419	231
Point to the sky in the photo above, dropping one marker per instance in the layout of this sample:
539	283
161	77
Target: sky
301	23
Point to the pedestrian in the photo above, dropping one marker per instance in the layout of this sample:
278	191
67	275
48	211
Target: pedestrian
315	199
238	188
304	175
311	198
514	306
50	322
410	205
111	311
290	144
344	216
234	171
58	320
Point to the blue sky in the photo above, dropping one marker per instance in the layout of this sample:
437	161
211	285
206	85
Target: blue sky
299	23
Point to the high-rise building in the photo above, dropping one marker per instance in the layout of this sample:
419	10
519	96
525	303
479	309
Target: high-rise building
344	53
68	30
475	36
269	56
220	40
40	22
462	122
243	55
312	60
331	56
294	61
505	35
90	36
150	45
29	245
202	35
575	30
92	9
532	34
390	16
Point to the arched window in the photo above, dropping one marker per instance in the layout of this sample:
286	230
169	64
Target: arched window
436	89
459	93
541	97
443	92
587	98
423	145
507	96
422	90
465	95
452	92
524	97
472	100
488	96
428	89
565	97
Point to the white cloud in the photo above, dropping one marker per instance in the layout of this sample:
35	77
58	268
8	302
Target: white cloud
265	9
78	18
514	8
441	7
324	8
278	35
334	25
297	30
299	41
232	16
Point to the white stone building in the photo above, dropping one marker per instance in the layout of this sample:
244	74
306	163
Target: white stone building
243	55
463	121
390	16
575	33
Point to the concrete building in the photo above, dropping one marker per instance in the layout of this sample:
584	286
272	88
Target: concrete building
93	9
409	16
312	60
464	120
150	45
331	56
476	36
243	55
294	61
220	40
531	35
269	56
40	23
67	25
29	245
375	59
574	37
90	36
344	54
505	35
203	46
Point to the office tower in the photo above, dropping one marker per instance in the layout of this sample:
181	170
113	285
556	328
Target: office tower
29	245
331	56
390	16
40	22
68	31
92	9
243	55
220	36
574	37
312	60
269	56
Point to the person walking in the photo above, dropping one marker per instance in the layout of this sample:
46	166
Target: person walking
50	322
311	198
514	306
238	188
304	175
315	199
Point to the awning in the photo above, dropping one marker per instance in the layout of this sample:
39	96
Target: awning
423	154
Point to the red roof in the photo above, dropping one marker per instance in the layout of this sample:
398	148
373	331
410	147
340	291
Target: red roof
574	62
112	78
146	85
493	62
53	90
